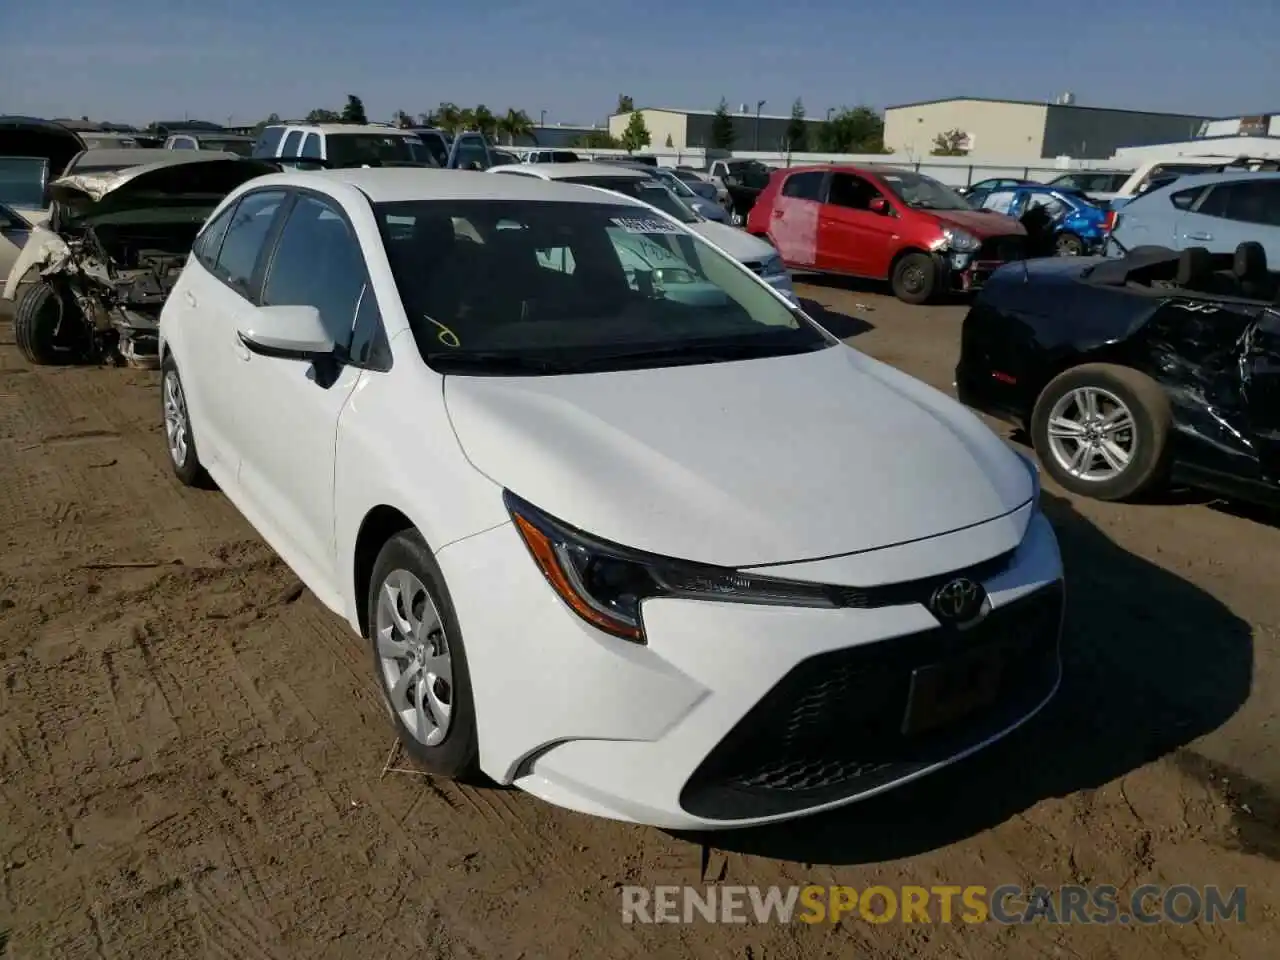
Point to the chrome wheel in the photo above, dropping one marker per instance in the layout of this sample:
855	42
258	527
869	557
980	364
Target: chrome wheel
176	426
417	667
1092	434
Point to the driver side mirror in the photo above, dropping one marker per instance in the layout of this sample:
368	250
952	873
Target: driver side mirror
879	205
291	332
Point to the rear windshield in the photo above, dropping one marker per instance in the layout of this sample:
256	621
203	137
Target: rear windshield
652	192
241	148
357	149
22	182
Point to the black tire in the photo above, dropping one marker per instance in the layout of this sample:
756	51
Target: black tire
1068	245
48	328
186	464
1152	424
914	278
457	754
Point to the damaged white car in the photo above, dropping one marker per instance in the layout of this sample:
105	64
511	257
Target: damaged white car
113	247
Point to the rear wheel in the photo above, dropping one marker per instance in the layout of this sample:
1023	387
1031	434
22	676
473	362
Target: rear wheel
179	437
914	278
48	327
1103	431
1068	245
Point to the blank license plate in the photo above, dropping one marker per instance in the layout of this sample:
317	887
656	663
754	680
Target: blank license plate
945	692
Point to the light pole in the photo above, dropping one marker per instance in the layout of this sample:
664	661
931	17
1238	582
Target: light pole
542	118
830	110
759	104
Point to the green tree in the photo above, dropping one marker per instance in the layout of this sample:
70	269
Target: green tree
258	127
636	135
853	130
625	104
449	118
428	119
321	115
482	119
598	140
722	132
515	123
353	112
951	143
797	129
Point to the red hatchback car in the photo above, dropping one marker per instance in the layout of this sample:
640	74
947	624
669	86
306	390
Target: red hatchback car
883	223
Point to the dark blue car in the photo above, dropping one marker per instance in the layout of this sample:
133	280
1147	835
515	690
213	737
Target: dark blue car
1079	223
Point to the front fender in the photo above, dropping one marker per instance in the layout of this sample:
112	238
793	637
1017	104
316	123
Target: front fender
43	249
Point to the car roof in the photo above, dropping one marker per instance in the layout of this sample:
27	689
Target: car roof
869	170
373	128
398	184
1188	180
585	168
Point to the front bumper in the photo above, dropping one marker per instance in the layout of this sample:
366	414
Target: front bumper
734	714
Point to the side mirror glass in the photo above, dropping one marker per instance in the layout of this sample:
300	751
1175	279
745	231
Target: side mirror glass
879	205
292	332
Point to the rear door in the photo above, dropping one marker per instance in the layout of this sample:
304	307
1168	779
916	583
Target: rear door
1230	213
793	220
853	238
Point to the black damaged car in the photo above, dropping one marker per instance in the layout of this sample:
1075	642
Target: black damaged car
1159	368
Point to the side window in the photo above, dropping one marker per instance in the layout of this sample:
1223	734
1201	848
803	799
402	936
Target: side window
291	144
999	201
369	346
1219	201
267	142
311	147
803	186
851	192
318	263
245	235
209	242
1253	201
1186	199
1052	205
183	143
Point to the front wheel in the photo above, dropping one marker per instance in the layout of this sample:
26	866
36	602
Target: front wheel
1103	431
914	278
48	327
419	659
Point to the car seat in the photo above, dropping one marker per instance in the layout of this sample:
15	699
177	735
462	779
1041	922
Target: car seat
1250	269
1195	270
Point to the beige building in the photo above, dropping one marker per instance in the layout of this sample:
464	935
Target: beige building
692	128
1027	130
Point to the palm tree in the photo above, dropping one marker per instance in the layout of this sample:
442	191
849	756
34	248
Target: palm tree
515	123
449	118
484	120
466	119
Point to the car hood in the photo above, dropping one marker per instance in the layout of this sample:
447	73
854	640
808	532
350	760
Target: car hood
199	174
980	223
738	244
744	463
31	137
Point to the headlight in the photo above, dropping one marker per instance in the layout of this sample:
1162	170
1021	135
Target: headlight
605	584
960	240
772	265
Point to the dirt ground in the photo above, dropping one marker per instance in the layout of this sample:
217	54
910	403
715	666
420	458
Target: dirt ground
191	746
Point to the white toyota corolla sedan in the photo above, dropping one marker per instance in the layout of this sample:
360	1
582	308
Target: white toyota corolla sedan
687	561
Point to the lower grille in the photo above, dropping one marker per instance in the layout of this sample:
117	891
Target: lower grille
834	725
1003	249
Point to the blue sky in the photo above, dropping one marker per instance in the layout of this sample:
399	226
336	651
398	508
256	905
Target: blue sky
161	59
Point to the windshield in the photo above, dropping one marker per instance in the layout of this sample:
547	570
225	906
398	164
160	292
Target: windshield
751	173
652	192
355	149
435	146
586	287
241	148
923	193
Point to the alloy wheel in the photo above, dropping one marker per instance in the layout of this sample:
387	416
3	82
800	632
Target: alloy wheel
1092	434
417	666
176	426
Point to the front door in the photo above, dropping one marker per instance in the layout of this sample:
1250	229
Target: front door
852	237
1231	213
289	409
793	221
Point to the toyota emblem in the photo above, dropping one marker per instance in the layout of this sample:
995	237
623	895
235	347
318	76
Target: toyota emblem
959	601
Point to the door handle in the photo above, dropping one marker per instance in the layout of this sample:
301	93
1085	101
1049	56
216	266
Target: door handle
242	351
1199	236
190	297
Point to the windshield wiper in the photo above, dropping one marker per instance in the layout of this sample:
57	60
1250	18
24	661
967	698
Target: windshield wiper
510	364
690	353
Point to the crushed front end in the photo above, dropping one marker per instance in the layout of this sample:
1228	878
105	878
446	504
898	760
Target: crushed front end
967	270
